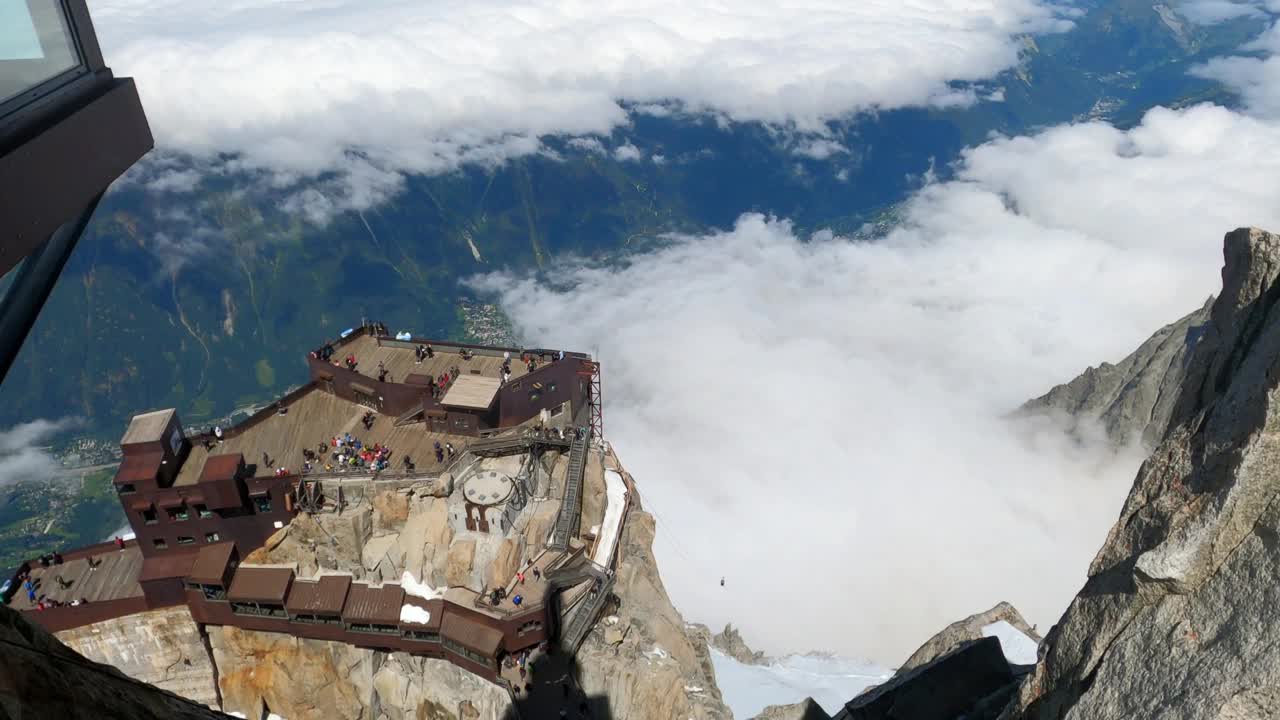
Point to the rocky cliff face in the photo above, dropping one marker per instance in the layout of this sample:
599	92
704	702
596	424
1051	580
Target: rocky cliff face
42	678
300	678
966	630
641	657
162	647
640	660
1130	401
1178	618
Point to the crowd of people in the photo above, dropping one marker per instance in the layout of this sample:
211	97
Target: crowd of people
347	452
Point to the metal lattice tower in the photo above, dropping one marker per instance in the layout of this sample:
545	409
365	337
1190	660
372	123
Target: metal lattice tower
591	369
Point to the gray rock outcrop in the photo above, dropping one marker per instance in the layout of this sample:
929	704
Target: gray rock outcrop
971	681
1130	401
1179	615
161	647
806	709
966	630
729	641
42	678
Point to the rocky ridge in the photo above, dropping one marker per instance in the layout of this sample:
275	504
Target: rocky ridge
966	630
1178	616
1129	401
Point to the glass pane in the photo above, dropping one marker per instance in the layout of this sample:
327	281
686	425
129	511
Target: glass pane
35	44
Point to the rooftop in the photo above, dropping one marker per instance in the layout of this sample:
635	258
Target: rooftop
115	578
211	563
471	633
374	604
147	427
314	418
324	596
474	392
265	584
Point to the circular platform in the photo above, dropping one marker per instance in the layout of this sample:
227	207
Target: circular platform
488	487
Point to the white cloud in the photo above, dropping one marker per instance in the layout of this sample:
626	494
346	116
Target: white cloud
1209	12
820	148
658	159
22	458
1257	79
627	152
590	145
386	87
817	419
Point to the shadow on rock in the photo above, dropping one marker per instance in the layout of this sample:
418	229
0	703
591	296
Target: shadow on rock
551	691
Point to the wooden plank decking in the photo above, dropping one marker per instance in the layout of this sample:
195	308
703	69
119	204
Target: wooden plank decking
315	418
116	577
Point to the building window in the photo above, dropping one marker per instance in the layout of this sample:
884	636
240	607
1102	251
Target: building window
262	504
465	652
259	609
534	395
529	627
515	386
213	592
179	514
551	387
149	517
422	635
558	411
375	628
462	423
203	512
185	539
160	544
126	488
212	537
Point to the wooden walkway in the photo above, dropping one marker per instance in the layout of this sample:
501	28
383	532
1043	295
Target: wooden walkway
116	577
401	362
315	418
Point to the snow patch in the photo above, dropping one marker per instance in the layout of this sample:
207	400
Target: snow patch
419	589
830	681
414	614
616	491
1018	648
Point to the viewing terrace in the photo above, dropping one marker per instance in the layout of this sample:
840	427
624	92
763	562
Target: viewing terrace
314	418
110	574
400	361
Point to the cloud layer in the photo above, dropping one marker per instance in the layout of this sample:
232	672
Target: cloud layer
22	458
373	89
817	419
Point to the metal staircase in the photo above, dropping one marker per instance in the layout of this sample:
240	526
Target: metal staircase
584	616
567	522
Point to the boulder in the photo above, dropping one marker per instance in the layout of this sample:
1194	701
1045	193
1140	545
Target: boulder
504	563
806	709
390	510
460	557
970	628
384	556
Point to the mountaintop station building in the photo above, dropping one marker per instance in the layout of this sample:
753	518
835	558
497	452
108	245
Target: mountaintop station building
198	503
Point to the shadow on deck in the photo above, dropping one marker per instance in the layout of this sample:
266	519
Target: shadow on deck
552	686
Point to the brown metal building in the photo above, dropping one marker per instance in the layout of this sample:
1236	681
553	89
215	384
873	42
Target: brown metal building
318	600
